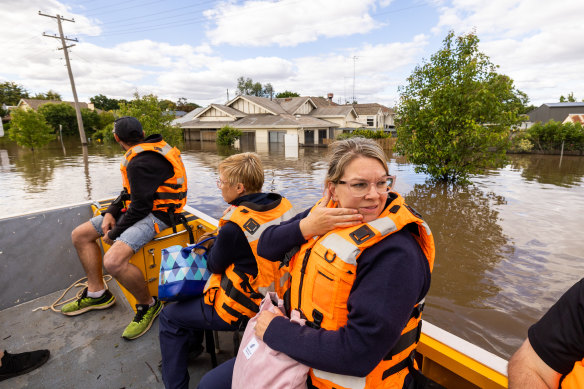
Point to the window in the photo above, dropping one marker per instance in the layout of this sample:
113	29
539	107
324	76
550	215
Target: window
370	120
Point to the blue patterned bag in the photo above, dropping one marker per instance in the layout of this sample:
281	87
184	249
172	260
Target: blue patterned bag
183	274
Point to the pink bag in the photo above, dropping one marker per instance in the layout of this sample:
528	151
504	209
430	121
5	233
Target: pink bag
257	366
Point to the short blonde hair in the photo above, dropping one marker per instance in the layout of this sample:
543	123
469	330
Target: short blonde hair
245	168
342	152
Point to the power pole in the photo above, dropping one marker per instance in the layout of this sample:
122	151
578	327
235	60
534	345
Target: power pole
64	48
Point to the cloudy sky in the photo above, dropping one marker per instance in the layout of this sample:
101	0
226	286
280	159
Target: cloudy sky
365	48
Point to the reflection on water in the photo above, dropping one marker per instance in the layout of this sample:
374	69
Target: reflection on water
507	246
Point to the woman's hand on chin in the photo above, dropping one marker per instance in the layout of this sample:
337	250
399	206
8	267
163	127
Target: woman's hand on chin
321	219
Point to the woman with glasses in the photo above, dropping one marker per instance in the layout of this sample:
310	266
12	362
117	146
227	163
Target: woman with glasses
360	272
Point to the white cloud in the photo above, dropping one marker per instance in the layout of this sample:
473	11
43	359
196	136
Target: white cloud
287	22
537	43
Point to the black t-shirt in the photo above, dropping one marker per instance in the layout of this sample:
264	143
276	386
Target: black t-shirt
558	337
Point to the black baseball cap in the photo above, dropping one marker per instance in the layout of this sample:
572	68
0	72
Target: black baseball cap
128	129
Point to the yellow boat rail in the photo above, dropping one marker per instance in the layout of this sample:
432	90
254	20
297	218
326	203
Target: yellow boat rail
457	364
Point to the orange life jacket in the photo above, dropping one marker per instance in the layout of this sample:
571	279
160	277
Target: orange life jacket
575	378
323	272
235	295
171	196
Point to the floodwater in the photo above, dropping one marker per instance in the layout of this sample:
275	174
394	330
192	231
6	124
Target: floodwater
507	246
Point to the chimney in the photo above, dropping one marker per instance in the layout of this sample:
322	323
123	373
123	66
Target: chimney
330	97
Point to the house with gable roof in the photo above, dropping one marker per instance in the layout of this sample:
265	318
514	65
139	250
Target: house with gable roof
264	121
375	116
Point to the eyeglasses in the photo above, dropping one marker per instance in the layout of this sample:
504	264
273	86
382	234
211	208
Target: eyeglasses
359	188
220	183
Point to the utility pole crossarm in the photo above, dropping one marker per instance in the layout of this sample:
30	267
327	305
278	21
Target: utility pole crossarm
66	53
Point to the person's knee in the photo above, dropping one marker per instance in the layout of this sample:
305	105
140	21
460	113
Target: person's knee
113	263
83	234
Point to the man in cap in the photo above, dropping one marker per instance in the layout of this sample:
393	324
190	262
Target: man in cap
155	188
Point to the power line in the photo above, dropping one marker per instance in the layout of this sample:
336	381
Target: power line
124	20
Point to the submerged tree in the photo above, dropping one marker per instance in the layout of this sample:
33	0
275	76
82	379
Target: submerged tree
455	113
153	119
30	129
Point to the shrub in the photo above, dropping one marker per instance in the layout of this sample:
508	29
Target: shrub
227	135
363	133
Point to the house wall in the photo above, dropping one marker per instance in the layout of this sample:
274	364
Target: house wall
248	107
545	113
342	122
215	115
305	109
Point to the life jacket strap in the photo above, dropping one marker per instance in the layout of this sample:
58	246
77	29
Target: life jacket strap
406	340
233	293
241	321
170	196
406	363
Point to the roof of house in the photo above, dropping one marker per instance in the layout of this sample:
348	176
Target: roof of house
35	103
565	105
187	117
322	102
264	102
197	123
574	118
291	104
371	109
339	110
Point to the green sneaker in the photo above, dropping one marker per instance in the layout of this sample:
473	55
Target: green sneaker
143	320
84	303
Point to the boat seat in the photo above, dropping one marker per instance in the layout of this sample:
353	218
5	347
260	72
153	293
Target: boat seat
148	258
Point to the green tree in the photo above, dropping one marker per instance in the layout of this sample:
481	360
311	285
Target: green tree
147	110
268	90
569	99
61	113
456	112
183	105
50	95
105	103
227	135
167	105
244	86
90	119
29	129
11	93
286	94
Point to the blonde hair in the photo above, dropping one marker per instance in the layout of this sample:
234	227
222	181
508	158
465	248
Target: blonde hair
245	168
342	152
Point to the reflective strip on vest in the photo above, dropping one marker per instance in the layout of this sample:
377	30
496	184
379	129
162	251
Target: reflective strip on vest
427	228
344	250
346	381
384	225
251	238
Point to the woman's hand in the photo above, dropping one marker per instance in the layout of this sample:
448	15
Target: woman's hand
321	219
264	320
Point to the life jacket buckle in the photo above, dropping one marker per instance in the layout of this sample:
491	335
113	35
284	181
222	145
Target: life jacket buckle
362	234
